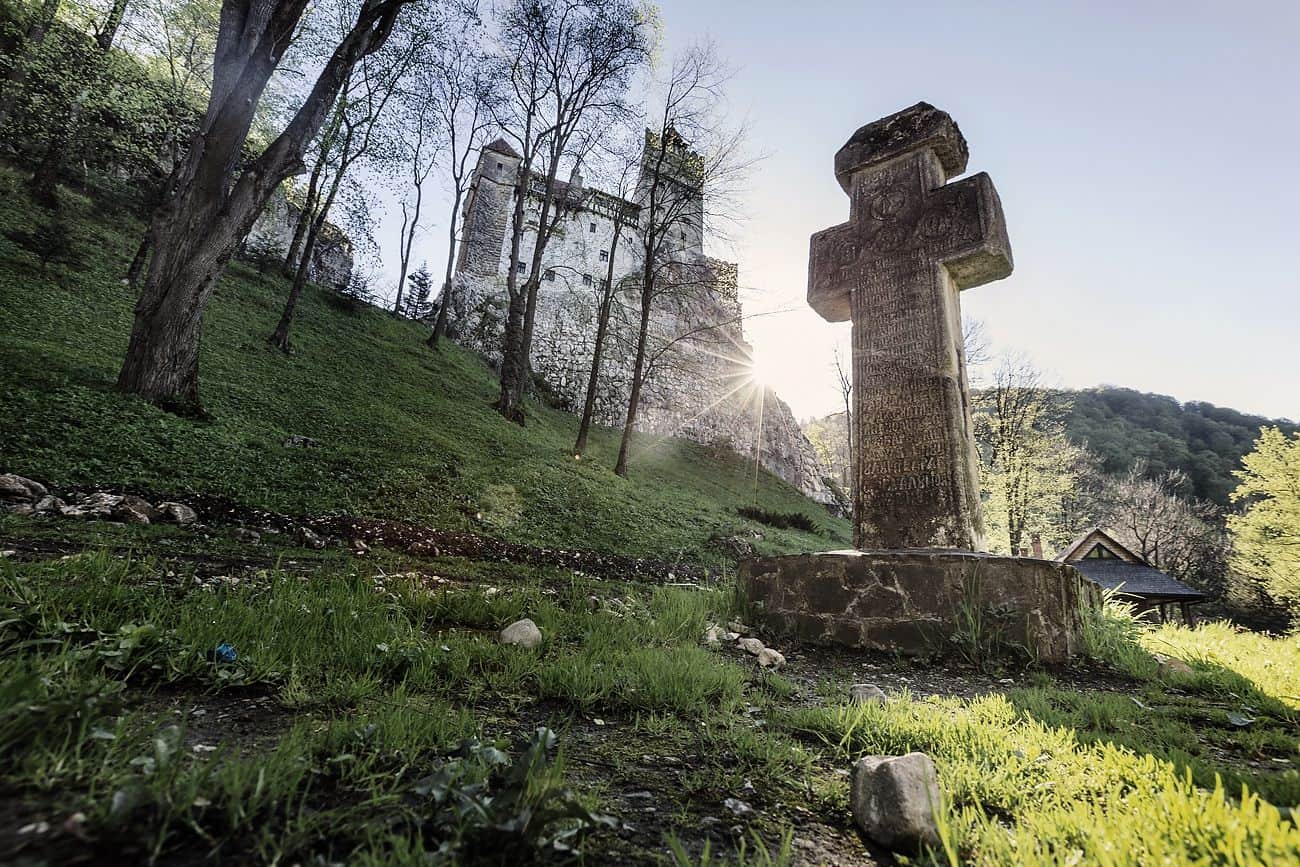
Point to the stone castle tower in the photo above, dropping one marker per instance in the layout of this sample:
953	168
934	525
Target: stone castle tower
688	395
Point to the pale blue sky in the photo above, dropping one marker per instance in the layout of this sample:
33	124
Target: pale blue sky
1143	152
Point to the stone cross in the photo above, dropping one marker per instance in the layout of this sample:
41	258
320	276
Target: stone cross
912	242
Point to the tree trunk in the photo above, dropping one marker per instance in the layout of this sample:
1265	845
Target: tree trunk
510	402
440	325
280	337
137	261
634	398
290	265
602	326
195	232
104	38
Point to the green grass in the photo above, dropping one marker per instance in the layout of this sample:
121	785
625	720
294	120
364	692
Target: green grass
375	680
404	432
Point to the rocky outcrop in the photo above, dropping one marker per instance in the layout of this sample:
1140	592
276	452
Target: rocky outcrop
331	259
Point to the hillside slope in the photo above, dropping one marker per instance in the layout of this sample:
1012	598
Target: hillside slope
403	431
1122	426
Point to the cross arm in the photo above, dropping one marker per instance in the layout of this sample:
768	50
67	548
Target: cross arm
964	222
832	256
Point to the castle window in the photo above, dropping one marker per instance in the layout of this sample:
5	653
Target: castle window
500	167
521	267
591	228
604	255
682	235
586	279
550	275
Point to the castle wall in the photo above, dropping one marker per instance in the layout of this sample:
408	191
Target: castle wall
700	390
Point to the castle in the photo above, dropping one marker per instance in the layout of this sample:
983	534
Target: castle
701	386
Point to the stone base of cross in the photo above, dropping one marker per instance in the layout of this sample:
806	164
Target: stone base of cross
895	269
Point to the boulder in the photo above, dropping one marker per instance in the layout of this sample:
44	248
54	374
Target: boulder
243	534
21	509
49	504
176	513
894	800
867	693
129	513
101	503
750	645
308	539
16	487
522	633
139	504
769	658
713	635
298	441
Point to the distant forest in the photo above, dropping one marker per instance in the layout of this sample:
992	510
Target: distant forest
1122	426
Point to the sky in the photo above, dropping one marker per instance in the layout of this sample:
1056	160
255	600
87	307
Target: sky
1142	152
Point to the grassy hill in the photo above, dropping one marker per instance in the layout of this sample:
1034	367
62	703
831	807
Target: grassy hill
403	431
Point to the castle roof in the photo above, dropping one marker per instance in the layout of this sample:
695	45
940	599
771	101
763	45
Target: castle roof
501	146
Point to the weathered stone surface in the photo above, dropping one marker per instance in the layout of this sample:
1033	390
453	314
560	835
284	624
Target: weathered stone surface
895	268
177	513
244	534
770	658
16	487
867	693
912	600
130	513
522	633
1170	665
49	504
751	646
894	800
308	538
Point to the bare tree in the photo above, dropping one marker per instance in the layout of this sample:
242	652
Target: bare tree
844	381
692	160
211	203
359	112
462	89
570	63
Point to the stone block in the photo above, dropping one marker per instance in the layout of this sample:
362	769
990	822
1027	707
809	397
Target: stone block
894	800
1038	602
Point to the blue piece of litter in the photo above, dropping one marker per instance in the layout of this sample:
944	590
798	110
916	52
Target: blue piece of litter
225	652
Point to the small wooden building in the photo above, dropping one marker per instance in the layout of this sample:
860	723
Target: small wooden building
1104	560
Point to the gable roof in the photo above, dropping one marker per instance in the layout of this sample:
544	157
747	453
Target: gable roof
1096	535
501	146
1137	579
1129	575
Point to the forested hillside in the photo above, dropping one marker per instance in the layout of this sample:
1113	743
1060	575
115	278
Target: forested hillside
1122	426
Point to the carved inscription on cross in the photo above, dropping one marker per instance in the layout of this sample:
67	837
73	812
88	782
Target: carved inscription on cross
895	268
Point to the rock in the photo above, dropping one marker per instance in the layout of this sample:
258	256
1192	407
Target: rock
867	693
176	513
1172	665
735	546
769	658
298	441
22	509
894	800
101	503
16	487
522	633
737	627
738	807
250	537
750	645
48	504
139	504
128	513
713	635
74	512
308	539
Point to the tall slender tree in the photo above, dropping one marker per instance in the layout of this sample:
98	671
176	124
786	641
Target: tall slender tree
211	202
693	168
569	66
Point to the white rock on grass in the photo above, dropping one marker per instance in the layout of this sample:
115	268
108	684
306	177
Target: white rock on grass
894	800
750	645
867	693
176	513
713	635
522	633
1172	665
769	658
